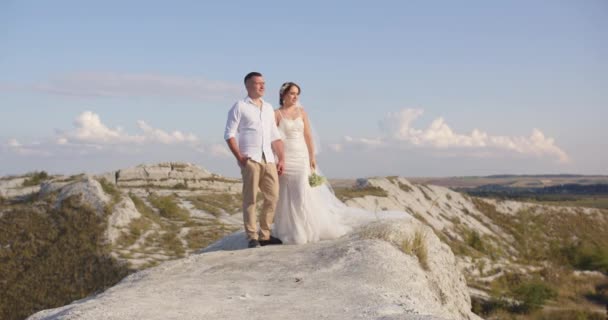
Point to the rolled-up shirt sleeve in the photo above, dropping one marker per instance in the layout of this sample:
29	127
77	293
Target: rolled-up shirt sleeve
232	123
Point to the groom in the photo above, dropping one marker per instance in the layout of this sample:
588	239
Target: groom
258	136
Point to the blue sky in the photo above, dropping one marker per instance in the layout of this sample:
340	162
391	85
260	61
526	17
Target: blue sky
411	88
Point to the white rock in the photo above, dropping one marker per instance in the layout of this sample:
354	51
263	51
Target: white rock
122	215
90	191
348	278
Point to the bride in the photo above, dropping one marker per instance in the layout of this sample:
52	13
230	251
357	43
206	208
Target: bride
304	214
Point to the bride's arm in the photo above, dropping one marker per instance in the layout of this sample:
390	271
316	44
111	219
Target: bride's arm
309	143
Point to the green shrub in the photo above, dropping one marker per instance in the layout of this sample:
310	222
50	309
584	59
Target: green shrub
570	315
474	240
532	295
35	178
585	256
520	294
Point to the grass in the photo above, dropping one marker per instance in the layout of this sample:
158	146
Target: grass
167	207
52	256
218	203
418	216
199	238
545	233
402	186
35	178
171	242
416	246
166	236
110	189
144	209
350	193
137	227
426	196
557	240
585	201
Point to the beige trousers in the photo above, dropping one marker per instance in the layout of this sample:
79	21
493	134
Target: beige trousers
264	177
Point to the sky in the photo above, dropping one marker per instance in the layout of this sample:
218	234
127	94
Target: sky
409	88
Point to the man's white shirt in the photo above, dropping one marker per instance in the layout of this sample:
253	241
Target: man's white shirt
256	129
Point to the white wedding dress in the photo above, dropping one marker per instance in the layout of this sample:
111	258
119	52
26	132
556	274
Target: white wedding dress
304	214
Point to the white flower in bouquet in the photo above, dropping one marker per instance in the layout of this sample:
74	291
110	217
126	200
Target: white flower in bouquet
316	180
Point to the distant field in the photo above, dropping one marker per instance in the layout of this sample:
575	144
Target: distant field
600	202
513	181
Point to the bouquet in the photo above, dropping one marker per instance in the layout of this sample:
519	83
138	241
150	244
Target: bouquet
315	180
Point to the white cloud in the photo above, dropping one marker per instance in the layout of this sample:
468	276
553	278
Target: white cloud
336	147
157	135
109	84
365	142
220	150
90	136
89	129
439	135
18	148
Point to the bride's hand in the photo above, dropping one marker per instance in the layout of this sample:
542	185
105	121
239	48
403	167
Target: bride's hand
313	164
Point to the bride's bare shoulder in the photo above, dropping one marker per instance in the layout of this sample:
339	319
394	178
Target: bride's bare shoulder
277	116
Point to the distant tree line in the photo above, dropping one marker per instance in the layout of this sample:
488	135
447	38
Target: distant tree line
494	190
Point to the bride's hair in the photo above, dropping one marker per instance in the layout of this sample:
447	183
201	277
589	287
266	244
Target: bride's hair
285	88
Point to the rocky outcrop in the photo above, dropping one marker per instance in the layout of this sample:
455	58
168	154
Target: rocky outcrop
439	207
176	175
87	188
12	187
364	275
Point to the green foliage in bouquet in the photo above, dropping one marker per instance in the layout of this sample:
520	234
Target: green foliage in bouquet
316	180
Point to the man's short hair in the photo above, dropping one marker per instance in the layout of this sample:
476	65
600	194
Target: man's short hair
251	75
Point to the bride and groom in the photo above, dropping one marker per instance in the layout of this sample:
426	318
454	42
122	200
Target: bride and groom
303	214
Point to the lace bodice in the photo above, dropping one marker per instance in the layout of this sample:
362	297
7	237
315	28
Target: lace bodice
292	128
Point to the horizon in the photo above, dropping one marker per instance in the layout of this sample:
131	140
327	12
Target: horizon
499	175
414	89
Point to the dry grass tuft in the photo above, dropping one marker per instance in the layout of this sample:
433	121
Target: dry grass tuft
417	246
